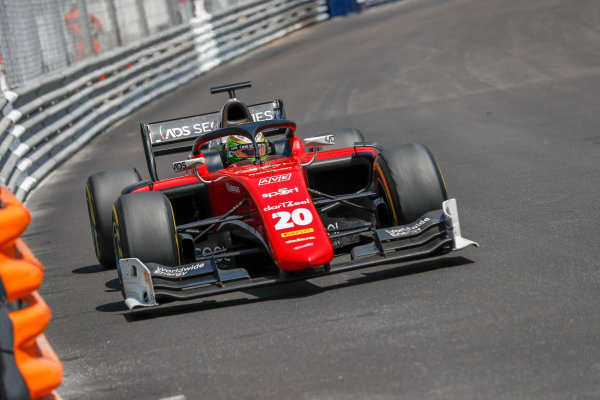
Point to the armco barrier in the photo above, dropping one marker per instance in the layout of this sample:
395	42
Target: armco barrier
49	119
30	368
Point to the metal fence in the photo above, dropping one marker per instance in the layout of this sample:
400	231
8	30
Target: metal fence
42	36
53	115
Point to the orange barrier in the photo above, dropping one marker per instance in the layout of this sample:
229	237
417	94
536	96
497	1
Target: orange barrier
21	274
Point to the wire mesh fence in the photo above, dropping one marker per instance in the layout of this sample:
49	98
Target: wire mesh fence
95	73
42	36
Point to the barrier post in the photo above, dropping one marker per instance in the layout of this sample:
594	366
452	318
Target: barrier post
12	384
30	368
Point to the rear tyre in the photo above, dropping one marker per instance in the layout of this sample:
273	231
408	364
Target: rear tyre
101	191
144	228
411	181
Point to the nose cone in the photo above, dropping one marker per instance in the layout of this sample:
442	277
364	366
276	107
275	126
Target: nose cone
296	236
305	252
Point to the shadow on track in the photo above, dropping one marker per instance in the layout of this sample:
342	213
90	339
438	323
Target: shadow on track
113	285
283	291
116	306
90	269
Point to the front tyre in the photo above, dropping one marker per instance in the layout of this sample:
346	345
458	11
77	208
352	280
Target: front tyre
411	182
101	192
144	228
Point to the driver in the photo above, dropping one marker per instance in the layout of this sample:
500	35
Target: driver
239	148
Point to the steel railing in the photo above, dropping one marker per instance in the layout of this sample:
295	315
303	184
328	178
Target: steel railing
49	119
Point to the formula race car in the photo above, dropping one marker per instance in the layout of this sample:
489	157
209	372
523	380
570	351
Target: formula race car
254	205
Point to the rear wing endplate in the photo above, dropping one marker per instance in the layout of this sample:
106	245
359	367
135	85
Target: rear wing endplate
177	135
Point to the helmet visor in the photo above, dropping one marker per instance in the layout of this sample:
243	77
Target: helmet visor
247	150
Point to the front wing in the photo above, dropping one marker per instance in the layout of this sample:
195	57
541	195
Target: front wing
437	232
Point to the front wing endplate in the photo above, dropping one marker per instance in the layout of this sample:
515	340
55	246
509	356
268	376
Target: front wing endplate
137	283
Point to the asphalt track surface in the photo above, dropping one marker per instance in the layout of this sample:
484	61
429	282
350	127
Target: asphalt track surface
507	96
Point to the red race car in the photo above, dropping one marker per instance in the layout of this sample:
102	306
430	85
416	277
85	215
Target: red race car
254	205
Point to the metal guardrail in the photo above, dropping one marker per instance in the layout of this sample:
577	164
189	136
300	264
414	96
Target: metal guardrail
48	120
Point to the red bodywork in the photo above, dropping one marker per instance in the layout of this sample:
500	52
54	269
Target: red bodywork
279	205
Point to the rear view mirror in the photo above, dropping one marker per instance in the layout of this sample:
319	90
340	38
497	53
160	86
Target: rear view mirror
314	143
186	165
319	141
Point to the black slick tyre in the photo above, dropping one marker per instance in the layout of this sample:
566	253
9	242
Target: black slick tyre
144	228
411	181
101	191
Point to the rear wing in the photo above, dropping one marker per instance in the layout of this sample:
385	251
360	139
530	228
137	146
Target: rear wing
178	135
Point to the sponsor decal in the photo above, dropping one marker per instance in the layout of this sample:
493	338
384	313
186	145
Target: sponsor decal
177	132
207	251
405	231
262	116
300	216
303	246
232	188
333	228
274	179
298	232
286	204
158	137
199	124
280	192
179	166
203	127
173	133
244	146
300	239
176	272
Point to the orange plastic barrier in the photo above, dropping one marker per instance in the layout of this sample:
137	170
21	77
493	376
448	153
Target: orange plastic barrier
21	275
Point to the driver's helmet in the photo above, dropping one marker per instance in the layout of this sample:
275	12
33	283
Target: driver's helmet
238	148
